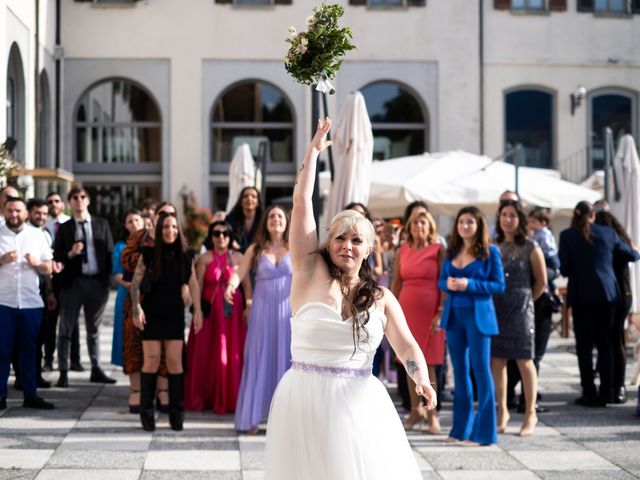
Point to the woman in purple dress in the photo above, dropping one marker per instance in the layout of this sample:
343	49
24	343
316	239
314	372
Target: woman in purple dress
267	352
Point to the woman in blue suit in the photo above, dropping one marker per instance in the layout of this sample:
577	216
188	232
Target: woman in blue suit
471	274
587	252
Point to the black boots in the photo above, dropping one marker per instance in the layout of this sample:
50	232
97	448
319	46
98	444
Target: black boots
147	395
176	401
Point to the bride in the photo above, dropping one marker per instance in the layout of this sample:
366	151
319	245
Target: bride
330	418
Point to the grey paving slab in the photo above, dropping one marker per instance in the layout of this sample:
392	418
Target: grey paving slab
488	475
567	460
30	441
135	441
460	458
188	442
589	475
93	474
24	459
537	442
17	474
96	459
252	459
252	475
193	460
624	453
190	475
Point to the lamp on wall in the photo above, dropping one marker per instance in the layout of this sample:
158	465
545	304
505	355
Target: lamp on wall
576	97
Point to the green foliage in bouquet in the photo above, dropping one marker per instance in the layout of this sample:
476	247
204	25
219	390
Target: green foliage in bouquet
319	51
7	166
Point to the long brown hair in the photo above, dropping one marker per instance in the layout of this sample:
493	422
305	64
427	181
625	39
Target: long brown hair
262	235
367	291
480	242
609	220
580	221
180	246
521	233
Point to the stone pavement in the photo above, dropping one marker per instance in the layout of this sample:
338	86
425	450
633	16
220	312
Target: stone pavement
90	435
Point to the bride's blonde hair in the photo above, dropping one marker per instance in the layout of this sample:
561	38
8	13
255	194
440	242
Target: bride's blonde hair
367	291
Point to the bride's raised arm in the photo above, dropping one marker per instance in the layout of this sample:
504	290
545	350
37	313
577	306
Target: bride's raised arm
303	238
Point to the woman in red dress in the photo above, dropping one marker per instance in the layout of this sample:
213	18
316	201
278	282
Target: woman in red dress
214	356
415	283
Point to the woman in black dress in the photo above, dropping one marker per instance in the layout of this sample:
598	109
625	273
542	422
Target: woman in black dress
244	217
161	272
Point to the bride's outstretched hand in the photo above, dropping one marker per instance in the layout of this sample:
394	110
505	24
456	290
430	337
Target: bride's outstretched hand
320	141
429	394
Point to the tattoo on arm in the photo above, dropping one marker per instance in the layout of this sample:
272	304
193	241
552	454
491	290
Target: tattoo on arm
411	366
299	172
135	287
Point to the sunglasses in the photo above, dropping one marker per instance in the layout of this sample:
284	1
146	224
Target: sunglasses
78	197
220	233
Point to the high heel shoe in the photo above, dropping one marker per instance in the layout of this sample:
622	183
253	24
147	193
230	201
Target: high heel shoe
415	417
528	424
503	420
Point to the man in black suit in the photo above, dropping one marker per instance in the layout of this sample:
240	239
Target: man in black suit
84	245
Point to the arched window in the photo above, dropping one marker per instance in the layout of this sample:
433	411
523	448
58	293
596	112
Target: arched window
529	121
15	102
117	122
612	108
400	127
256	113
44	154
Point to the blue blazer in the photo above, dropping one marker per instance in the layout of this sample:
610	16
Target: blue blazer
484	282
589	266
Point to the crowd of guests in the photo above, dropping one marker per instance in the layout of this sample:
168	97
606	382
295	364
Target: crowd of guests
484	295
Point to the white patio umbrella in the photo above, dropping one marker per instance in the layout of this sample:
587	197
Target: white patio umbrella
242	173
450	180
627	168
353	153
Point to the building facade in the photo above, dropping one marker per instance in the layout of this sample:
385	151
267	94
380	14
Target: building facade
154	96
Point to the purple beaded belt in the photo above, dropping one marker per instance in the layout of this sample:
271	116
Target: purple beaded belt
333	371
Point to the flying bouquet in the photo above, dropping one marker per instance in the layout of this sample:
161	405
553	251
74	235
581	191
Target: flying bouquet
316	54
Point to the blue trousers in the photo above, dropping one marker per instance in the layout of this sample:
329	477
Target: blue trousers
19	327
470	348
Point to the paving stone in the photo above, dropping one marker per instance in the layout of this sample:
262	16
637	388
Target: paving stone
624	453
192	460
93	474
97	459
18	474
589	475
536	442
138	441
252	475
567	460
423	464
30	441
24	459
191	475
461	458
252	459
487	475
201	442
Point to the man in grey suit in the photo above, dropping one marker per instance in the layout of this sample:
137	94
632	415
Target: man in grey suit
84	245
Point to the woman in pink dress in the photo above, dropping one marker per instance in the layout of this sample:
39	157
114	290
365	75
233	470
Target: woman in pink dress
214	355
415	283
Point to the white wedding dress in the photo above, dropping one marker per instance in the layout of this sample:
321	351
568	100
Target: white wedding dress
330	418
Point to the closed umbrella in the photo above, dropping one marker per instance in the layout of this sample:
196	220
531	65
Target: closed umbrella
627	168
242	173
353	154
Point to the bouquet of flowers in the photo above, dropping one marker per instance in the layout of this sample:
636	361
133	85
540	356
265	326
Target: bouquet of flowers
316	54
197	221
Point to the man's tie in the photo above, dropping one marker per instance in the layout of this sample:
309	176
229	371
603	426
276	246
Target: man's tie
83	224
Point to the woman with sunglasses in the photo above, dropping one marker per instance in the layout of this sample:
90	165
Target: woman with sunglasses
161	272
267	354
245	216
214	356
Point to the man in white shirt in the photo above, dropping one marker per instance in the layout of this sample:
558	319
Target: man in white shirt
24	255
5	193
56	214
